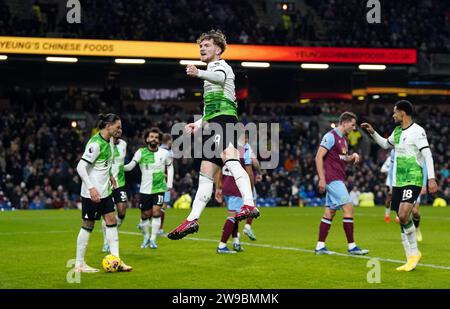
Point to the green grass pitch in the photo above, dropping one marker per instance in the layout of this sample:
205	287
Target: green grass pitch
35	247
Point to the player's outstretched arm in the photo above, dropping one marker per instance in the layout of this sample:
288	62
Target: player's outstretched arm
134	161
215	77
381	141
128	167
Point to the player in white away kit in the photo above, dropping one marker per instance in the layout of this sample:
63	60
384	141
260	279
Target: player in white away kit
119	193
94	169
388	167
153	162
411	151
220	112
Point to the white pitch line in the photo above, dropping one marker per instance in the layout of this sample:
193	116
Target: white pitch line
249	244
306	250
35	232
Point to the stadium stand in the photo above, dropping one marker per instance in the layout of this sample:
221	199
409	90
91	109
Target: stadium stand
313	23
39	151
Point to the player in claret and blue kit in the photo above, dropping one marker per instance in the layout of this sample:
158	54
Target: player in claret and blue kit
330	163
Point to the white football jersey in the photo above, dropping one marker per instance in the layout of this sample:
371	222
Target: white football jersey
153	167
408	161
118	172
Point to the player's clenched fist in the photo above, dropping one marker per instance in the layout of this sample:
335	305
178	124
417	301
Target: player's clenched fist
191	70
191	128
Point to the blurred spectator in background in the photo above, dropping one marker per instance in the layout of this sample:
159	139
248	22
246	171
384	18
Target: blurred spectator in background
354	196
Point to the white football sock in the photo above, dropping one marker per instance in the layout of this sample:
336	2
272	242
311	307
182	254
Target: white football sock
119	221
247	227
387	211
204	192
145	224
104	232
236	240
351	245
242	181
412	240
156	224
222	245
320	245
405	244
112	235
82	243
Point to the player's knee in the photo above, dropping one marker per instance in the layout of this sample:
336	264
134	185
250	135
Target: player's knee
88	225
329	214
156	213
121	210
110	219
403	218
348	214
146	214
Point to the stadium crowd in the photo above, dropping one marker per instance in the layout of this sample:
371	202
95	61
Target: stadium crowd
404	24
423	25
39	152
